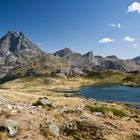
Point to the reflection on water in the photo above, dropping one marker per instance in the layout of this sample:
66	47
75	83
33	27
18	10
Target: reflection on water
113	93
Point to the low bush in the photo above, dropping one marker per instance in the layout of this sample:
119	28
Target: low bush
105	110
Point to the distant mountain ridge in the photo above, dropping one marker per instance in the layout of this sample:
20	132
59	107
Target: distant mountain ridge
137	60
90	62
19	55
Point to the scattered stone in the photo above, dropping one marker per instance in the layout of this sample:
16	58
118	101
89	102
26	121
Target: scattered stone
39	107
61	75
10	126
99	114
9	106
49	129
3	100
43	102
54	129
13	112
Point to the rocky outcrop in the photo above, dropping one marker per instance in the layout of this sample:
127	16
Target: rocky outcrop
10	126
112	57
43	102
81	62
63	52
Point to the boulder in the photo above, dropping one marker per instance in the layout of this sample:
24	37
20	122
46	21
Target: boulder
3	100
54	129
10	126
43	102
61	75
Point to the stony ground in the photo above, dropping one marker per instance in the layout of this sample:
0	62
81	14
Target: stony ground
61	116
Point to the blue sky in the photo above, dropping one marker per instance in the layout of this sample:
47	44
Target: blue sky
105	26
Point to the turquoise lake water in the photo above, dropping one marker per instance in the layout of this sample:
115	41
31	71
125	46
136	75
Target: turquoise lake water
113	93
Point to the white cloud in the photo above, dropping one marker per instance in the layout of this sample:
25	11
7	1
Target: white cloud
112	24
129	39
134	7
106	40
135	45
118	25
40	43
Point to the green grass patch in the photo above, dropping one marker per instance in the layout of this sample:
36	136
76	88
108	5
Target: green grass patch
106	110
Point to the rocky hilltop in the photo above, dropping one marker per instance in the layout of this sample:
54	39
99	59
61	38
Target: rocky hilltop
16	49
63	52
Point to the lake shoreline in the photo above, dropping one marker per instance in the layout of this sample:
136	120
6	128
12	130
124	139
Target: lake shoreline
98	85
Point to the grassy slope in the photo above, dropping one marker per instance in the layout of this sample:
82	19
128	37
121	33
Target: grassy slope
132	80
29	89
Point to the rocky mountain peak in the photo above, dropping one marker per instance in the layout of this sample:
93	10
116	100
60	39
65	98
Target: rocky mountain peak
13	35
16	49
17	44
89	56
63	52
111	57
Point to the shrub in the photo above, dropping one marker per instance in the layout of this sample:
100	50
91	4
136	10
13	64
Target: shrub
105	110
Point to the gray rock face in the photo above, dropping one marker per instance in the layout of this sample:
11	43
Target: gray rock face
63	52
114	63
112	57
76	60
76	72
15	49
84	64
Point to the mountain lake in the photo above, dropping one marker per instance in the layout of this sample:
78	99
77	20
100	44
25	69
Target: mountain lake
119	93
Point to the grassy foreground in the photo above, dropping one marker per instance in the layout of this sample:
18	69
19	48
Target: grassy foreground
69	118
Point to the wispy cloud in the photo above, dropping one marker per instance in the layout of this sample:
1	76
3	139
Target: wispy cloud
40	43
135	45
134	7
106	40
118	25
129	39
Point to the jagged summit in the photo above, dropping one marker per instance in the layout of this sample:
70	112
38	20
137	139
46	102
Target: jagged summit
10	34
111	57
89	56
16	49
63	52
14	43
